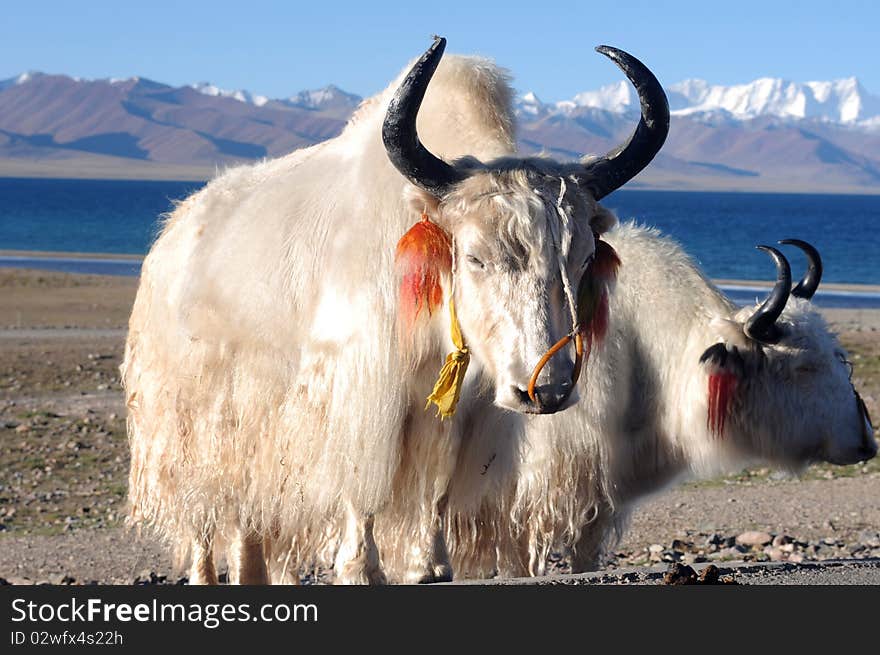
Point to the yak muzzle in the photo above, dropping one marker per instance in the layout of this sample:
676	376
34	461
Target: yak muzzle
548	398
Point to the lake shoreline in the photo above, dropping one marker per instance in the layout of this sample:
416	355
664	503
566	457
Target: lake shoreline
94	219
122	170
9	257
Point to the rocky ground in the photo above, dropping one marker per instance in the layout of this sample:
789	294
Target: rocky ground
63	459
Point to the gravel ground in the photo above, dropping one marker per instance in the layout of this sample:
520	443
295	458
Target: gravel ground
103	555
787	522
829	572
817	512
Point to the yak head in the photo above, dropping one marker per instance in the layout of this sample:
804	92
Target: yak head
779	384
521	237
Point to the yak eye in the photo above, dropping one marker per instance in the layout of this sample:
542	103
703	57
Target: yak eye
473	261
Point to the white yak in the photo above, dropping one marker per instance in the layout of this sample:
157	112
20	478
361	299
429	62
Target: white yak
685	385
278	357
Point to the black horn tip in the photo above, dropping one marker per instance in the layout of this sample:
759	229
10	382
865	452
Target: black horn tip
806	288
399	134
782	267
620	165
799	243
439	43
762	324
615	54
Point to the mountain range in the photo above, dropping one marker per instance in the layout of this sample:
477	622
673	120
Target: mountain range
767	135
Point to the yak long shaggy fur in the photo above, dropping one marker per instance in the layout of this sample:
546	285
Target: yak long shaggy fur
267	391
635	429
648	417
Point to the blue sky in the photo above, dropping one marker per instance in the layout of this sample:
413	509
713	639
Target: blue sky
277	48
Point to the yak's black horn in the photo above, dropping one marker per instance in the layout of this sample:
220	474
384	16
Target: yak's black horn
761	326
810	282
620	165
405	151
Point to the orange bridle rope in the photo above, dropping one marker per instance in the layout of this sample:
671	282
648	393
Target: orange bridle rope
559	345
572	306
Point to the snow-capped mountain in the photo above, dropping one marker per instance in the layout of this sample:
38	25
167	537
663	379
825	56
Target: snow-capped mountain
19	79
242	96
839	101
529	105
843	101
316	99
329	96
617	98
768	135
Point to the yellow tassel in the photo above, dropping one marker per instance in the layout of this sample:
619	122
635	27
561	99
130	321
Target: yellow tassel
447	389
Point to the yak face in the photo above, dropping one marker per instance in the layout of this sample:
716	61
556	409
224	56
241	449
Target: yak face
522	233
783	393
518	244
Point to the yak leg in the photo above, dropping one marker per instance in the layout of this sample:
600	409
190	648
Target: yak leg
357	560
595	536
203	571
431	563
247	562
430	456
588	550
513	555
281	569
439	563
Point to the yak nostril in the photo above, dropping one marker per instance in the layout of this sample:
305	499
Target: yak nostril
544	403
548	399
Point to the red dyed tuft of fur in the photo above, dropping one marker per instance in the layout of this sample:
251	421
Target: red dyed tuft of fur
599	326
722	387
593	293
423	257
606	262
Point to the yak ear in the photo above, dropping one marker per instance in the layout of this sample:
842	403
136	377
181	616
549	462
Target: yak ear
725	368
602	220
421	201
722	356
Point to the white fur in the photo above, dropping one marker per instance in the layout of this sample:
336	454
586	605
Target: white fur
641	423
269	391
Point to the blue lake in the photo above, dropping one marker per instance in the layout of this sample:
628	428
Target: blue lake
720	230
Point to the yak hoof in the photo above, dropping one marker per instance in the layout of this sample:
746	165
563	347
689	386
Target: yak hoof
355	573
433	573
442	573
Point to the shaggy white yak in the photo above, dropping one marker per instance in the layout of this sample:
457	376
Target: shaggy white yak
684	385
272	393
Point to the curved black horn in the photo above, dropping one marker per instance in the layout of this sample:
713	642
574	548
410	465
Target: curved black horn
399	134
761	326
623	163
810	282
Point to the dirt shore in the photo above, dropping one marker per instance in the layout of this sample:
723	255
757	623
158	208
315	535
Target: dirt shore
63	455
